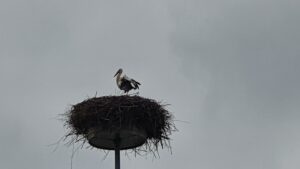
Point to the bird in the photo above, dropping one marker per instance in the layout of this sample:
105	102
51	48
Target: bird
125	83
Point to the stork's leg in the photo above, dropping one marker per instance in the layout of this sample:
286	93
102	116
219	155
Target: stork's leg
136	93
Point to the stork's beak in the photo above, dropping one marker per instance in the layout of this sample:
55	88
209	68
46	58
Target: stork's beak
117	73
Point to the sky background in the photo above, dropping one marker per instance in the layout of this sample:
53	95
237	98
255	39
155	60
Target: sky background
228	68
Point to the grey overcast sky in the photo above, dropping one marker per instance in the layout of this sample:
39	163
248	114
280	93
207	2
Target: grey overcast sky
229	68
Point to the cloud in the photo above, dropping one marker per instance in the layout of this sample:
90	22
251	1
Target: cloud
244	56
229	68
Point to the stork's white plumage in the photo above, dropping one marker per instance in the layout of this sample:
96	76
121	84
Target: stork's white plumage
126	83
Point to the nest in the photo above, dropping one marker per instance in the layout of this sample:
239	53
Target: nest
112	113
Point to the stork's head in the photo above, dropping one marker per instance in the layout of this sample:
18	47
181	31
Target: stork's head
119	72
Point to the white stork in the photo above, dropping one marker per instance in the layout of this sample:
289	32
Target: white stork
126	83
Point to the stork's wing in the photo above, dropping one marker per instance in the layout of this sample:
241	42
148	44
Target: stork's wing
133	82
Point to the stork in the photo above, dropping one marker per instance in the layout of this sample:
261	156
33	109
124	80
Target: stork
125	83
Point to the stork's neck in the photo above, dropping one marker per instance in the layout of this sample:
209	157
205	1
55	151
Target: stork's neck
119	75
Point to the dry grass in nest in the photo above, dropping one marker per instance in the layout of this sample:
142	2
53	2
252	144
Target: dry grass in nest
114	112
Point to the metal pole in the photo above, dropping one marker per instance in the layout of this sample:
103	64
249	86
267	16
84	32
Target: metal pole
117	158
117	153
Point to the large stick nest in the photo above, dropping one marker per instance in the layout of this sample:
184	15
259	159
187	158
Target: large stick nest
115	112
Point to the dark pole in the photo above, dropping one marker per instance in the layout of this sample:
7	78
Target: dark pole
117	158
117	153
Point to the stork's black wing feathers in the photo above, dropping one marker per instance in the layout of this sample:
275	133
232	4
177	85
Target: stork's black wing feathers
135	84
128	84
